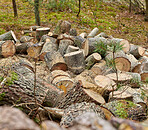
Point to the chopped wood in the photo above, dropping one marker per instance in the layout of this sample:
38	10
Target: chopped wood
63	45
78	94
92	59
31	33
8	36
51	34
55	61
33	28
79	41
22	47
105	83
73	32
41	31
137	51
75	61
93	32
24	39
49	46
83	35
76	110
71	48
7	48
144	76
102	34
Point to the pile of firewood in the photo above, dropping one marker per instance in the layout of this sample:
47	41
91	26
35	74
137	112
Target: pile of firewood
79	79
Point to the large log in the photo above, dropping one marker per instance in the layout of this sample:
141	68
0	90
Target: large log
63	45
75	61
8	36
49	46
55	61
78	94
7	48
40	32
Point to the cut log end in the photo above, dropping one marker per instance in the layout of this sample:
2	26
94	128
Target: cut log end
59	66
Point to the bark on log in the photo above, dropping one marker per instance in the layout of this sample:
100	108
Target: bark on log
63	45
105	83
102	34
35	49
49	46
8	36
55	61
24	39
22	47
79	41
7	48
40	32
131	111
75	61
92	59
121	60
73	32
137	51
71	48
78	109
31	33
78	94
99	67
93	32
33	28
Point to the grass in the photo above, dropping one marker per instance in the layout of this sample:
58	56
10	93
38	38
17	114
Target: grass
108	16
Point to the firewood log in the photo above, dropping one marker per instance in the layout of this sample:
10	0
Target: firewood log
78	94
92	59
105	83
55	61
33	28
75	61
7	48
31	33
144	76
78	109
102	34
73	32
34	50
26	39
40	32
22	47
8	36
78	41
131	111
63	45
83	35
93	32
137	51
121	60
49	46
71	48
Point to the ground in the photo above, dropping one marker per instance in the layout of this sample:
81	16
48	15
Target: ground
112	18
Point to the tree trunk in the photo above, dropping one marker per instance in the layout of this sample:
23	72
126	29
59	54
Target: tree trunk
36	10
14	8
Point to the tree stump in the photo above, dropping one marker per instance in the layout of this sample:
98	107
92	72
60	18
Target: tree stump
7	48
55	61
75	61
8	36
40	32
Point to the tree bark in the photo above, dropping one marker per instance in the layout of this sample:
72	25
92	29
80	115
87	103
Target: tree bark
36	11
14	8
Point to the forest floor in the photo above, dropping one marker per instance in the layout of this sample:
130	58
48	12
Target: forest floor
111	18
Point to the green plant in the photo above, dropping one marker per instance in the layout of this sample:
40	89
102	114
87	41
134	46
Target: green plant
10	79
2	95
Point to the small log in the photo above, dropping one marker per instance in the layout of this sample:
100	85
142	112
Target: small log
8	36
83	35
93	32
92	59
122	77
63	45
24	39
31	33
78	41
121	60
71	48
22	47
40	32
73	32
99	67
76	110
131	111
75	61
78	94
105	83
55	61
144	76
102	34
7	48
49	46
137	51
51	34
33	28
34	50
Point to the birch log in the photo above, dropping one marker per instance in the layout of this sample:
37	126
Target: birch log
40	32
